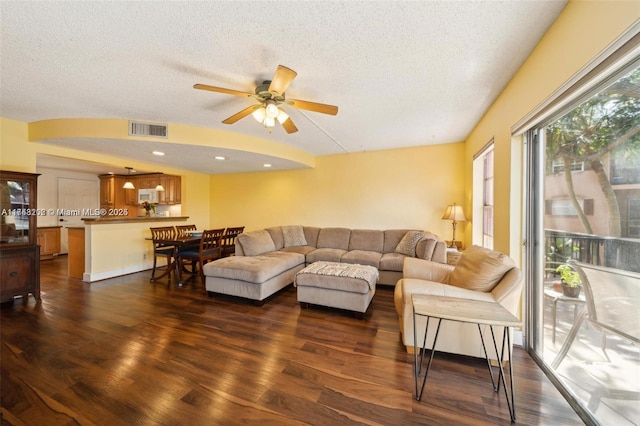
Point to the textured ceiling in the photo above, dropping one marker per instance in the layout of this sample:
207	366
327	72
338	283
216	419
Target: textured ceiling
402	73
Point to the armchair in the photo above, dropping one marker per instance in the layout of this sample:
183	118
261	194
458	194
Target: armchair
481	274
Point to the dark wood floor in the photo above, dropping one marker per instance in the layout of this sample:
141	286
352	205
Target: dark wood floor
124	351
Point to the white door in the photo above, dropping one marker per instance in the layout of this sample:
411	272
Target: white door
75	196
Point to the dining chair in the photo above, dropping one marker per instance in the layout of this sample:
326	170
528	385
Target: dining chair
229	240
161	249
209	249
184	230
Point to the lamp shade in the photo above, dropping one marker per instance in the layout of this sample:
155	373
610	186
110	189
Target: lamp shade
128	184
454	212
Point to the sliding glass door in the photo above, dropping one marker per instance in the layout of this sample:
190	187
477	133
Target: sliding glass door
584	206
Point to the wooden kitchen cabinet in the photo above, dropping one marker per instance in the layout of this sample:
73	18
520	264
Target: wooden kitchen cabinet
113	197
48	239
19	252
107	191
172	190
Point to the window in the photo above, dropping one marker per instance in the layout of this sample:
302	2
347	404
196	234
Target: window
565	207
487	207
483	202
625	169
557	166
598	133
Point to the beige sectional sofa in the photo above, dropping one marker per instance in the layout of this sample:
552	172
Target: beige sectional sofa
267	260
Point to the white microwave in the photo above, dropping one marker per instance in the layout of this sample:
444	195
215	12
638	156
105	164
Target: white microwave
150	195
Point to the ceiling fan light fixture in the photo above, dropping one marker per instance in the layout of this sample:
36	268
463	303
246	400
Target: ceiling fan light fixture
269	122
259	114
282	116
271	109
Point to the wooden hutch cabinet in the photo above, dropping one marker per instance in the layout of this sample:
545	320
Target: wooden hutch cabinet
19	252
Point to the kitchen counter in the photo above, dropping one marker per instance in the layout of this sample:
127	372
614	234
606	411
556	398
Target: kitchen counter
118	246
116	219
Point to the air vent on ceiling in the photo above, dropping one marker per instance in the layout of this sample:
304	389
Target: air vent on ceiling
137	128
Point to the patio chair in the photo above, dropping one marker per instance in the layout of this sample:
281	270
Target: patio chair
612	299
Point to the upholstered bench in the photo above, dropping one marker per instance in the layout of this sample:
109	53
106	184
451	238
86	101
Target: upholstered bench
337	285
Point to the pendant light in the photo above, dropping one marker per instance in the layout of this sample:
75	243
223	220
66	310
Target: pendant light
128	184
159	187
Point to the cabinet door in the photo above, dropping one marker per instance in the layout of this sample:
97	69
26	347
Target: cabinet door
177	191
49	242
107	191
172	189
19	273
131	196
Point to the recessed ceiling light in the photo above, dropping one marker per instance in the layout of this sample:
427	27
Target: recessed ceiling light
219	157
266	165
158	153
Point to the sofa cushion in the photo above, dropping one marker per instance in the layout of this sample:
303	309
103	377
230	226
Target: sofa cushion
391	239
326	254
335	238
427	246
408	243
276	236
254	269
362	257
311	235
480	269
367	240
392	262
299	249
256	242
293	236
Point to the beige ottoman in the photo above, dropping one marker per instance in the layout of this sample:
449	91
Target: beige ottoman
337	285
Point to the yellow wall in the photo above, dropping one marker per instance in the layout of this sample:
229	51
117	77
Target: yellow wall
399	188
15	153
580	33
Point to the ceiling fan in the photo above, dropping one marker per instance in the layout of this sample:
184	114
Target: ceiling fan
270	95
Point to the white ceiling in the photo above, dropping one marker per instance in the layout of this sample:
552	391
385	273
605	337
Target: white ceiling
402	73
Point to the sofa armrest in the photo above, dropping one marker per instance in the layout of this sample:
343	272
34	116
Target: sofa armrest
508	291
426	270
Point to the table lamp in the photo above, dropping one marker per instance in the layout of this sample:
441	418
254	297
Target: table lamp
455	214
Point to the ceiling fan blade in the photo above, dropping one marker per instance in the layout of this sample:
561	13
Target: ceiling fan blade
282	79
221	90
239	115
313	106
289	126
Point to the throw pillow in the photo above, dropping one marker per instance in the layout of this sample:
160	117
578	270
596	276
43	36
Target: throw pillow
256	242
480	269
293	236
407	244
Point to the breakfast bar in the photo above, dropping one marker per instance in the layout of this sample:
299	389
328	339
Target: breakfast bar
117	246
